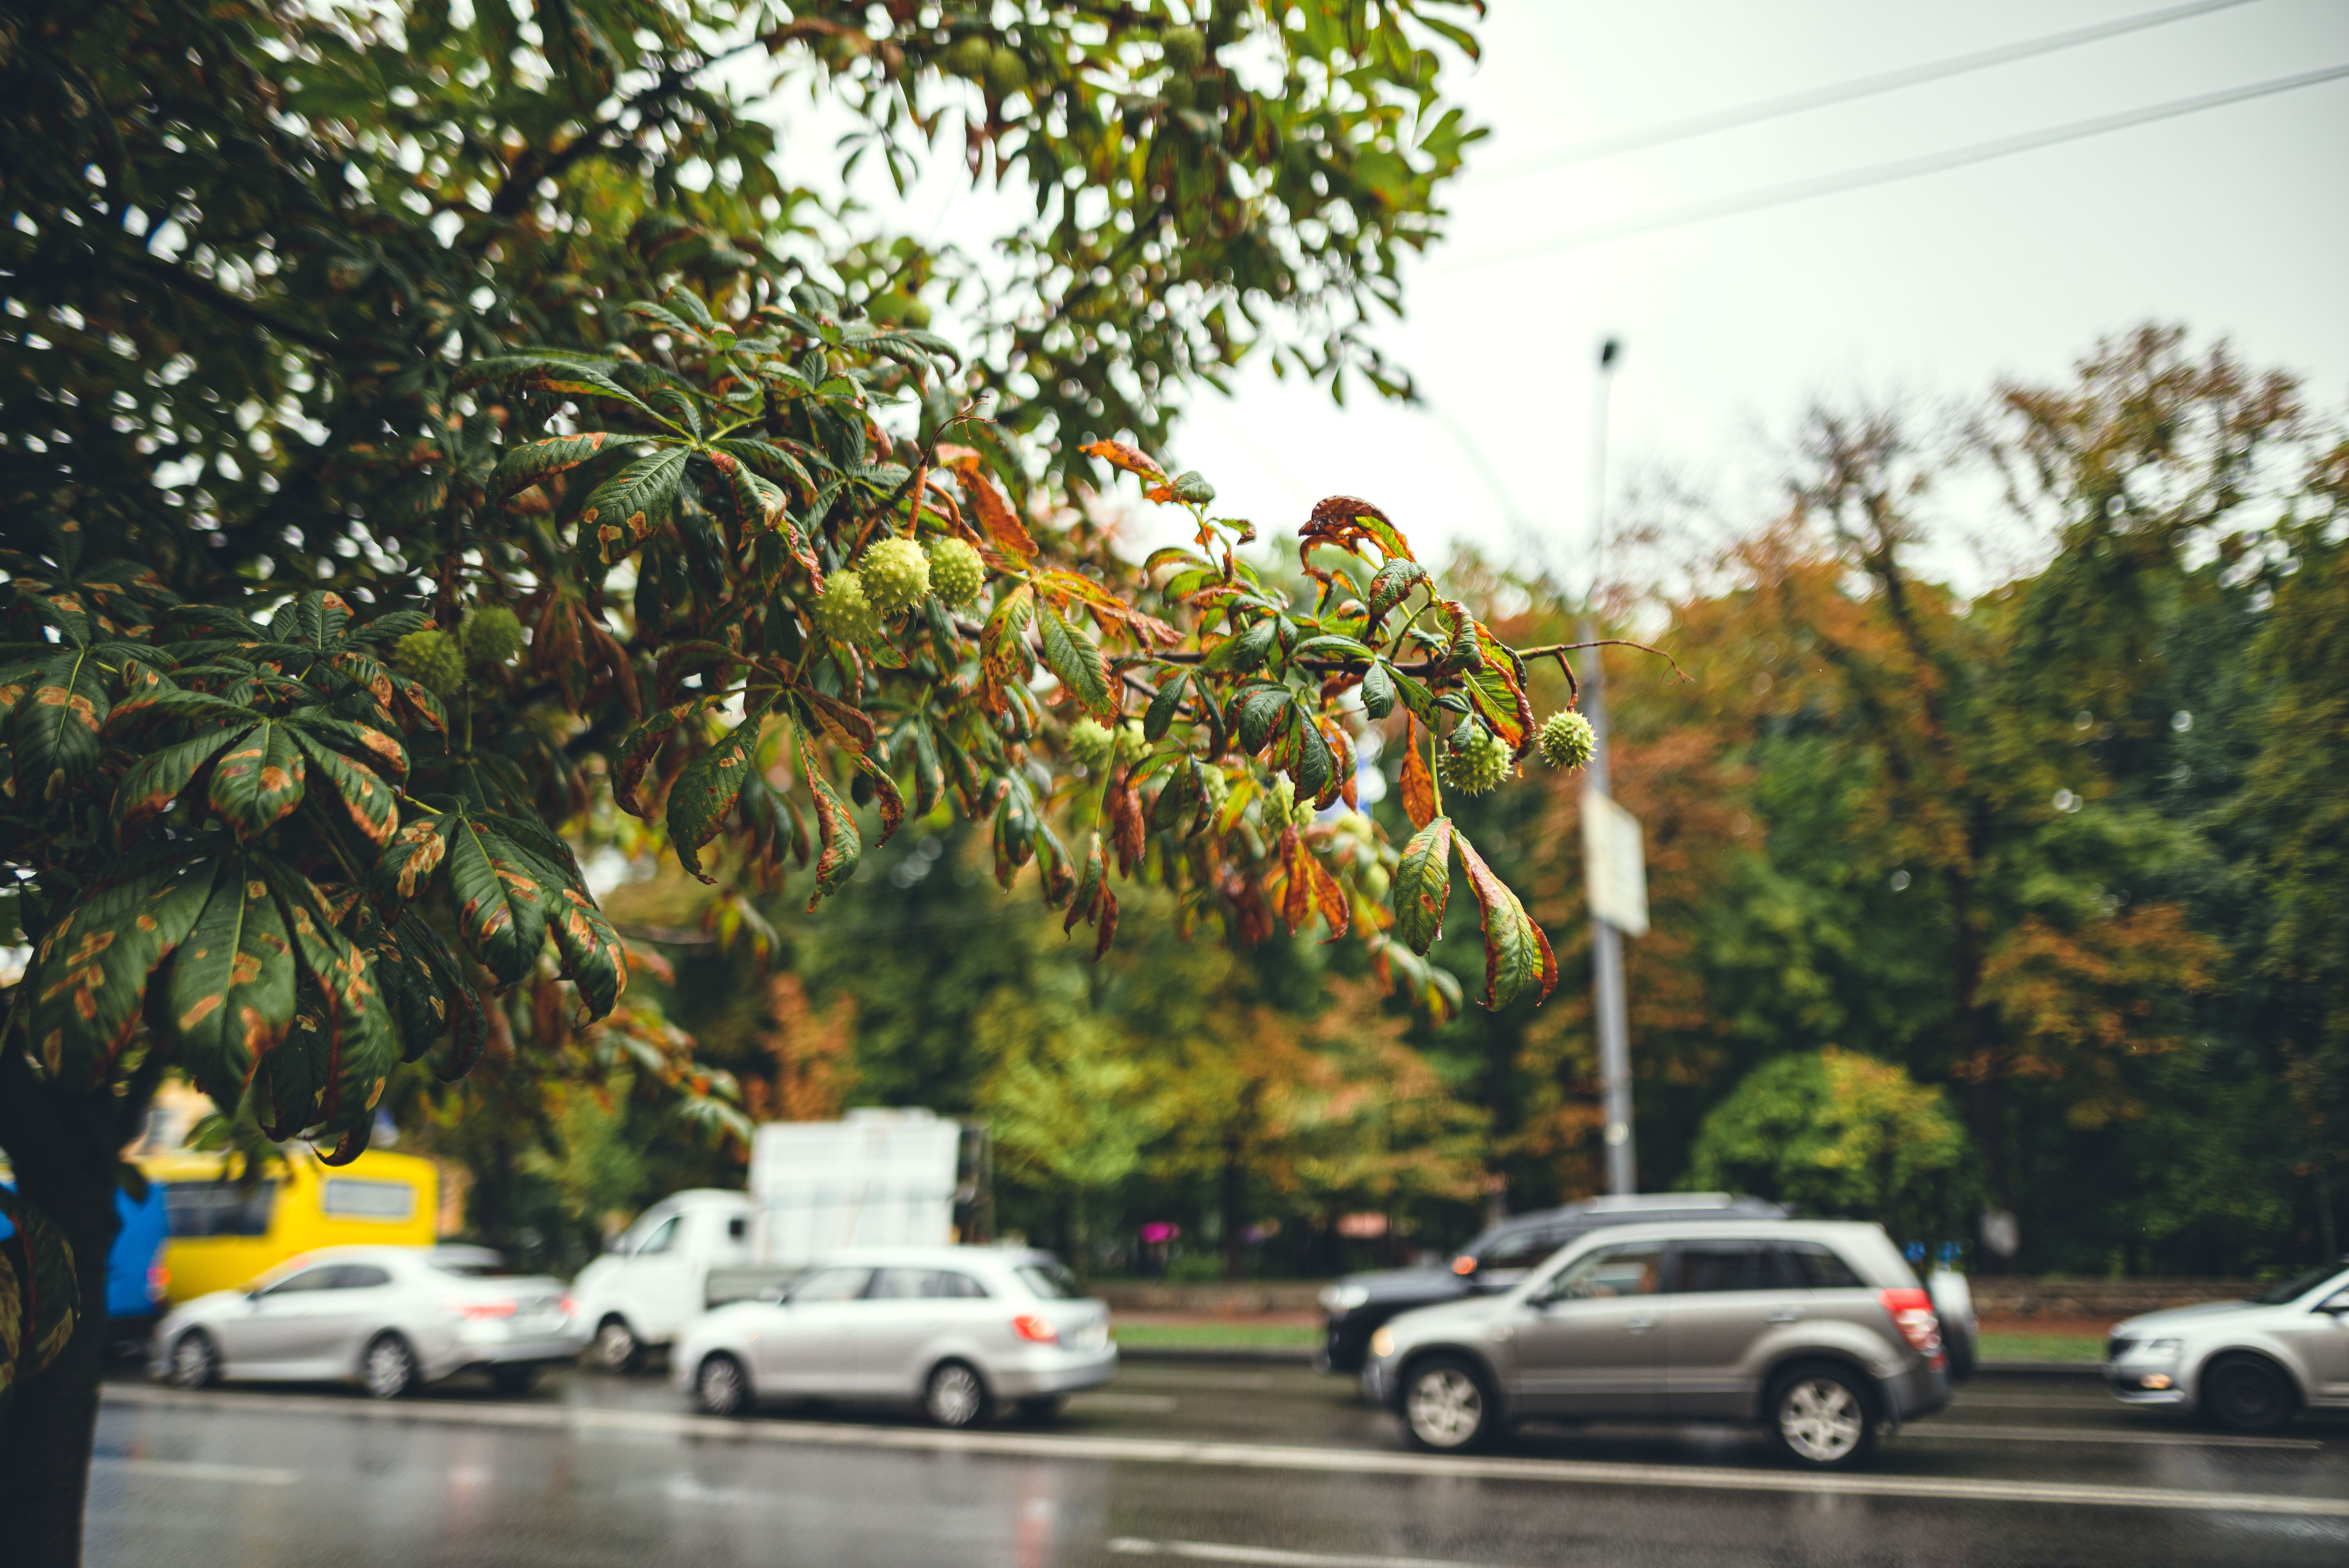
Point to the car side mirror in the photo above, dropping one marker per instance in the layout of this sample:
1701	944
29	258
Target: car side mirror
2336	1305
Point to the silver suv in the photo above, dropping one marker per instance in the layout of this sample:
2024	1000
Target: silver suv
1816	1329
2244	1365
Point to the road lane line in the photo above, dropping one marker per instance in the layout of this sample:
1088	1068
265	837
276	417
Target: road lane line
1151	1404
197	1470
1237	1456
1217	1552
1971	1430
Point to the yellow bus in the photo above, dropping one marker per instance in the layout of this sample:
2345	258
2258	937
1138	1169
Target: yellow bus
225	1230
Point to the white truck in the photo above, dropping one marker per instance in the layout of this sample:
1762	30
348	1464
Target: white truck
878	1179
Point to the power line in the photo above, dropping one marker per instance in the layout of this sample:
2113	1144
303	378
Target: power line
1841	92
1884	173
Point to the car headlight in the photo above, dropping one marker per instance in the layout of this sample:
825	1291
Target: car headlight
2162	1347
1382	1342
1337	1298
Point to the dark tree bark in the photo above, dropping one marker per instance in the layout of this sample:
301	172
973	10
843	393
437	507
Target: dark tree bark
63	1149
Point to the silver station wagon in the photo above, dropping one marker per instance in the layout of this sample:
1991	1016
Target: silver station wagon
960	1331
1816	1330
2247	1366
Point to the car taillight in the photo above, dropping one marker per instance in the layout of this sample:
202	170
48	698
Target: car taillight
1912	1314
1463	1264
482	1311
1035	1330
568	1308
159	1282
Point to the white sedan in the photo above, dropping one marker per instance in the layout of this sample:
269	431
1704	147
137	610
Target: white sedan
389	1318
960	1330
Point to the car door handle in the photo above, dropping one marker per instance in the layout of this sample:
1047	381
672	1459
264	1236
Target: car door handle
1638	1324
1785	1313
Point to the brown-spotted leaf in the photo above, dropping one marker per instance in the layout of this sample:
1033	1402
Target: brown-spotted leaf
501	904
259	780
1118	455
407	863
90	973
1002	524
1420	800
232	987
158	778
592	954
704	794
1517	956
840	846
372	805
1346	521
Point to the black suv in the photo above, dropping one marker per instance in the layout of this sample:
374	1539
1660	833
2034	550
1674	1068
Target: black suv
1358	1304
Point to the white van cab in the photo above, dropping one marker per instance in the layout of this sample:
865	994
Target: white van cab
657	1278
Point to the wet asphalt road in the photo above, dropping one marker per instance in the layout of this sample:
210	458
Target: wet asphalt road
1171	1464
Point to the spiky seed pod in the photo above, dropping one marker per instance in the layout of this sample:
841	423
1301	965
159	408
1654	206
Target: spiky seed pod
1284	800
1219	789
843	614
1131	742
1567	739
1184	48
431	658
1474	761
1091	745
1006	73
896	576
493	634
1302	815
1374	881
958	576
970	55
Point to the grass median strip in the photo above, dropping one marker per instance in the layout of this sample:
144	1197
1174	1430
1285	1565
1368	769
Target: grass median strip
1237	1456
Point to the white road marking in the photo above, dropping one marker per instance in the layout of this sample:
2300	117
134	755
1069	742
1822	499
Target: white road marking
1154	1404
197	1470
1160	1377
1930	1431
2034	1402
1234	1455
1217	1552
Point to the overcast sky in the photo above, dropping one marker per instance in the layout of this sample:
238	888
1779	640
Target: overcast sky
2233	220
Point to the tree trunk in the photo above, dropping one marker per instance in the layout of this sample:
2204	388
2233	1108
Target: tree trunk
64	1152
1235	1210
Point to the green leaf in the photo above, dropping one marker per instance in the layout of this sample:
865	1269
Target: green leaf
372	804
158	778
58	725
38	1298
358	1044
622	510
1517	956
500	905
232	986
1330	646
1261	711
1394	585
258	781
429	994
704	793
90	973
1423	885
527	465
1379	690
1164	706
1077	660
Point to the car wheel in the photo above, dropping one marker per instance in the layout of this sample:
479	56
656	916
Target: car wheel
388	1368
195	1363
721	1388
514	1380
615	1349
2246	1394
1820	1417
1447	1406
955	1396
1047	1408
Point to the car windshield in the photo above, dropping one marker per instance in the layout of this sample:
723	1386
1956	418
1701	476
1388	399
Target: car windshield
2295	1287
487	1266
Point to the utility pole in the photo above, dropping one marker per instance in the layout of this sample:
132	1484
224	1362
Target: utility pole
1606	941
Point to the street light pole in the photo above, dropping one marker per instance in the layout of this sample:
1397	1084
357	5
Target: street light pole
1606	942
